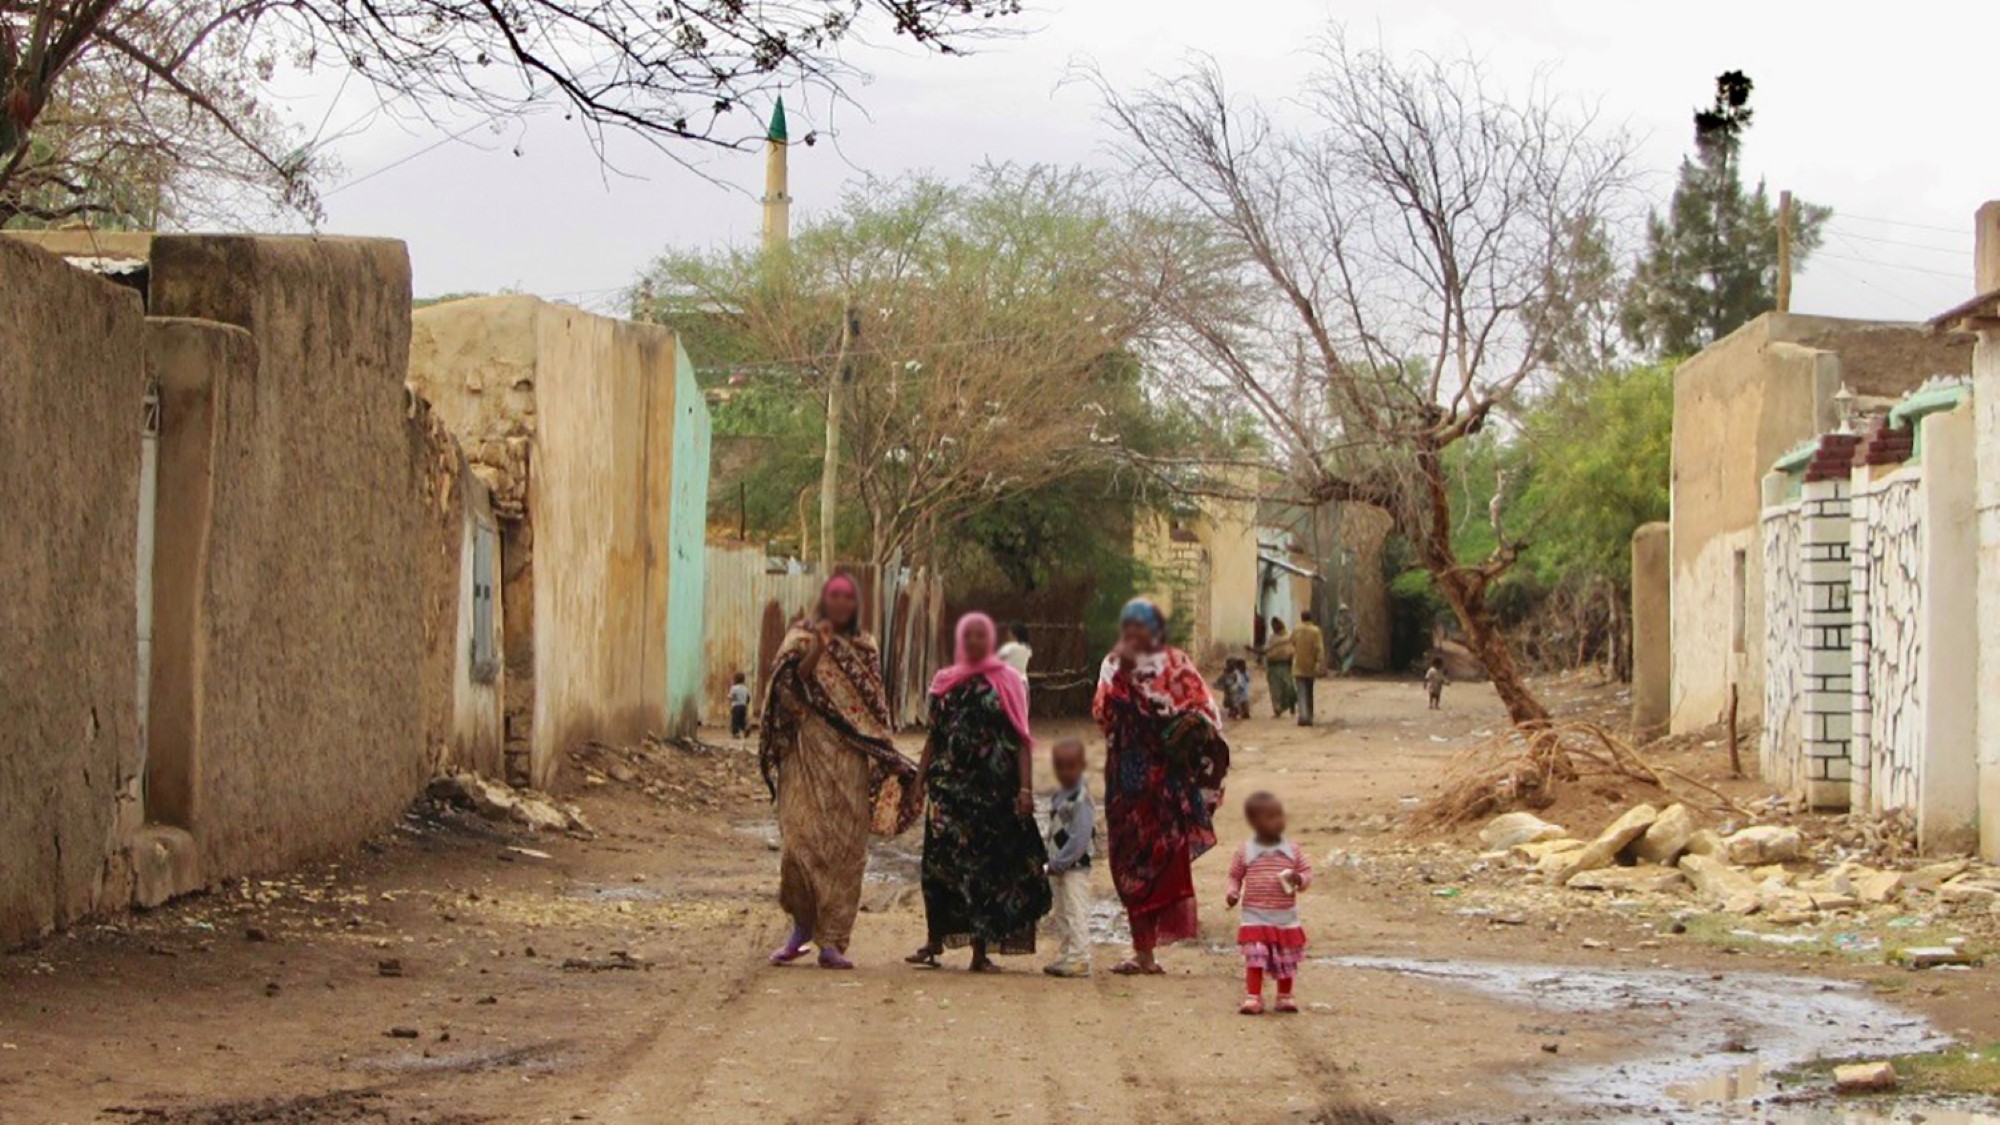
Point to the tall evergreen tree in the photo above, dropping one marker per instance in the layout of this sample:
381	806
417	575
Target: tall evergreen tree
1711	262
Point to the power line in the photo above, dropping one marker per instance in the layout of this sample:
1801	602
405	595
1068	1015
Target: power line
1954	275
1838	214
1960	251
398	163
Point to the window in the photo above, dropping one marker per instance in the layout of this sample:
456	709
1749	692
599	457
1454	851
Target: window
485	577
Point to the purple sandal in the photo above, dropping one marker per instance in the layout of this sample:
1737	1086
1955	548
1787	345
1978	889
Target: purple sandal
794	947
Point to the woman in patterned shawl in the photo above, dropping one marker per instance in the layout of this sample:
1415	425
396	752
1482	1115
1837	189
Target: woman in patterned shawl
1164	765
832	770
984	863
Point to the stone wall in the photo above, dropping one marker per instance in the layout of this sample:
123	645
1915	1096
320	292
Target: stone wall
1888	642
72	382
1779	753
310	605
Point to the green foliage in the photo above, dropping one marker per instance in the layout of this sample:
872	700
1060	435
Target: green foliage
1711	262
1598	464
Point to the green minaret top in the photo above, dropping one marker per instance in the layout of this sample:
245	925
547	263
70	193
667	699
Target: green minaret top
777	130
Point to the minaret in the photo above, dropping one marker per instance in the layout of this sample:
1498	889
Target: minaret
777	201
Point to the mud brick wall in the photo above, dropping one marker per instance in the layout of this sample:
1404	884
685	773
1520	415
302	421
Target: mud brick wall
71	393
312	603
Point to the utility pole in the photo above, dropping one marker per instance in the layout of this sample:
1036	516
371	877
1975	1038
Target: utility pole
1784	251
829	473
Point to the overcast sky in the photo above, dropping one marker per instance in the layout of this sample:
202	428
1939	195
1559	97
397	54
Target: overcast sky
1879	117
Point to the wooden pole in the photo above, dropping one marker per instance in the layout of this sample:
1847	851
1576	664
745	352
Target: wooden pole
1784	251
829	473
1735	753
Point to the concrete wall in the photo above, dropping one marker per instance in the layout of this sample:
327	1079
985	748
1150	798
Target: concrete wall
1204	574
1739	405
1986	420
71	387
1948	815
311	725
687	542
584	408
464	704
1652	627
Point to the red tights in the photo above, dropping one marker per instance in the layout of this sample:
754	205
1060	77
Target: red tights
1253	983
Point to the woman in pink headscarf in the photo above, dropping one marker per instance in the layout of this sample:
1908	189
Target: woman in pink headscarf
833	772
984	870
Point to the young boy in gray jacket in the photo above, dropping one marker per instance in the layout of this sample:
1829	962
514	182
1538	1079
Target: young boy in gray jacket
1072	820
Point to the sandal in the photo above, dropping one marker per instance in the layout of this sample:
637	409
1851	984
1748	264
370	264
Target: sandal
1286	1006
1130	968
832	959
1251	1006
924	958
987	966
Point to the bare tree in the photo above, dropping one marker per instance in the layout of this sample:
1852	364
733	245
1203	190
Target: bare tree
992	315
1377	280
118	147
672	71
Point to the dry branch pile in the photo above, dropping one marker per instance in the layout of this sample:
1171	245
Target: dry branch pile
1526	767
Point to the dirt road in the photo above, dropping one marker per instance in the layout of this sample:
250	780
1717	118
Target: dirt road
449	976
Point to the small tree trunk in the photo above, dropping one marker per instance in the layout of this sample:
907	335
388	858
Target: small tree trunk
1489	644
1466	591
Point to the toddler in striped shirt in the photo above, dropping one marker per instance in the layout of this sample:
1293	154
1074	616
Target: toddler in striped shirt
1265	878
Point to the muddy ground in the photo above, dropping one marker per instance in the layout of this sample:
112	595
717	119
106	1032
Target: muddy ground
460	972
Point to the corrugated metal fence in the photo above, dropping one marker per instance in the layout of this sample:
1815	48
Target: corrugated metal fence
750	605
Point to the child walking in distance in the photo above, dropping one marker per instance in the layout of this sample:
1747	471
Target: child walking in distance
739	707
1071	823
1434	681
1266	877
1235	686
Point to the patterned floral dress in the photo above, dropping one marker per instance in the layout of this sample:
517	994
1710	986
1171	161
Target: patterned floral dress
1164	766
983	862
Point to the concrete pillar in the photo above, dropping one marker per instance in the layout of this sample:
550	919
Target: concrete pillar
1860	791
1825	643
1947	662
1652	627
1986	247
1986	440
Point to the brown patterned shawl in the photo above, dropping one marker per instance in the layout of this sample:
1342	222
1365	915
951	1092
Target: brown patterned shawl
846	690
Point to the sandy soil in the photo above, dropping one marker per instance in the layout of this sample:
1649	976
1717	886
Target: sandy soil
442	977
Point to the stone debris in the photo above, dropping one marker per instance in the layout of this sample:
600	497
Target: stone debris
1604	850
1512	829
1864	1078
1724	887
1643	879
498	801
1764	844
1667	837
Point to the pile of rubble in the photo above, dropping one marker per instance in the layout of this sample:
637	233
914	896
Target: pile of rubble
499	801
1764	869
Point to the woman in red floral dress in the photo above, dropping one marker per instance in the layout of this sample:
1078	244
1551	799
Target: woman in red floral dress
1164	766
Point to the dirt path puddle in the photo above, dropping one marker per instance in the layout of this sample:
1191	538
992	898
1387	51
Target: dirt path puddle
1723	1035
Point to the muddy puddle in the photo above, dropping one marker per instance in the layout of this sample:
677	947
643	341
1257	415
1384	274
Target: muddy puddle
1722	1037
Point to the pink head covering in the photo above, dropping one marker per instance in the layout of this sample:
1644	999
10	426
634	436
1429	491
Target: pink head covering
840	582
1007	683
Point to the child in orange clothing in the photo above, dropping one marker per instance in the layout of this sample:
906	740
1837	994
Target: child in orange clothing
1266	877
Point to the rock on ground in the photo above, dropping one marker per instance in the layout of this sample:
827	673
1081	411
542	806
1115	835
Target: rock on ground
1667	837
1863	1078
1510	829
1603	851
1724	886
1764	843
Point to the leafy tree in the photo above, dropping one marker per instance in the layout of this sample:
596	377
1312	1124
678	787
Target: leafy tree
994	319
1596	459
1711	262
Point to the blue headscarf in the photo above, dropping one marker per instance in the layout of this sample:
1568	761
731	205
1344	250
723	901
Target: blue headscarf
1142	611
